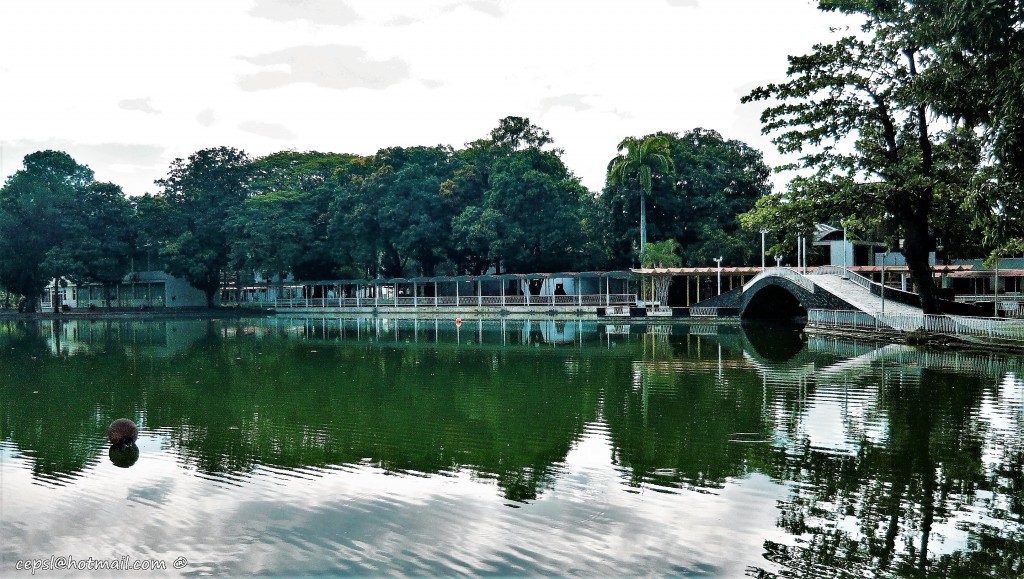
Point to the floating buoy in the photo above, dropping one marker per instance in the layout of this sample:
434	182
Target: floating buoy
122	432
458	321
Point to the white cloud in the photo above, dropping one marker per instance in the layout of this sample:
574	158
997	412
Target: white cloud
206	117
141	104
269	130
572	101
319	11
335	67
342	76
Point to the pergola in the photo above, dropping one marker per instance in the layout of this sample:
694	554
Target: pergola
494	290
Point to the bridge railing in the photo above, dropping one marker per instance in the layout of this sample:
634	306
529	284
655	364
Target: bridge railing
846	274
783	272
954	326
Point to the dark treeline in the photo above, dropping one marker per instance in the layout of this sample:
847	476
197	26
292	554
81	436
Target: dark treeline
504	203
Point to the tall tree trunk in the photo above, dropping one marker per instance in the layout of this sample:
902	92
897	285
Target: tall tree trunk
917	245
643	224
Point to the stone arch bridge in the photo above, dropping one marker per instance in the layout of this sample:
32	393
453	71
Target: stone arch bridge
782	292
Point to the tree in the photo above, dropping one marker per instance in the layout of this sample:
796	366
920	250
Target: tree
98	241
871	143
37	205
644	159
661	254
284	226
271	233
393	213
200	194
712	180
517	206
535	202
976	75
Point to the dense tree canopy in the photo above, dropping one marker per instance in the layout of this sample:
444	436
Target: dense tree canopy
502	203
394	215
201	194
708	182
57	222
283	226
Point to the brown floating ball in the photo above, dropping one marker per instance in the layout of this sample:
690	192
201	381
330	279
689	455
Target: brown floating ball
122	432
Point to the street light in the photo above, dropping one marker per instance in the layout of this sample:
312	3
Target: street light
846	249
763	251
778	261
718	260
885	256
995	289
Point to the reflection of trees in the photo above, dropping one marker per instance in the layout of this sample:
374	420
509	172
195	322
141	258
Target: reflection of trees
682	409
693	418
57	408
274	399
876	512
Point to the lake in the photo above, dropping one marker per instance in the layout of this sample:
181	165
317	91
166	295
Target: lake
291	446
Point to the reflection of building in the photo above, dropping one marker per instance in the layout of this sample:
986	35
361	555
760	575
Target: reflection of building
158	338
549	331
151	289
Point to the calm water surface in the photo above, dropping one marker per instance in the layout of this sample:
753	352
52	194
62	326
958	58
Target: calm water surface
307	446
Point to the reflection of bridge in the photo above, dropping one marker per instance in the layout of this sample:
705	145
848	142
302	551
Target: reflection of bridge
906	357
833	359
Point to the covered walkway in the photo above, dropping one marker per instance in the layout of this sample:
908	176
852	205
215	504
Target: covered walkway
563	289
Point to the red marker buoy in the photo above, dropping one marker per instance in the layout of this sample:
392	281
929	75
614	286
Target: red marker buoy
458	321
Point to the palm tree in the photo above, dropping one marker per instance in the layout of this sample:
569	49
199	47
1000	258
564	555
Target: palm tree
642	158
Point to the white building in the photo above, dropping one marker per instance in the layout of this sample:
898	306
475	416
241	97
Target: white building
150	289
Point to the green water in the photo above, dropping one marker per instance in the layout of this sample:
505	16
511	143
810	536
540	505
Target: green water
354	447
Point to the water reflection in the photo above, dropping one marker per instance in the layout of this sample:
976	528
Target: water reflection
859	458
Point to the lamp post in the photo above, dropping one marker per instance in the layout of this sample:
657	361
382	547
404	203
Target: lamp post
763	251
995	289
718	260
778	261
885	256
846	249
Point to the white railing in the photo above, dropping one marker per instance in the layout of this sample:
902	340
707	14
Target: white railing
594	300
954	326
845	274
703	312
1007	296
622	311
155	302
783	272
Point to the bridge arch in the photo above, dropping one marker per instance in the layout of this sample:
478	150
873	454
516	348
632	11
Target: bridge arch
785	295
772	302
776	298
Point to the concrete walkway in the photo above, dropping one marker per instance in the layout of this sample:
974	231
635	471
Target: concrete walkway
860	297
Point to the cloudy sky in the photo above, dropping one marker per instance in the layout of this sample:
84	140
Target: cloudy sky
127	86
